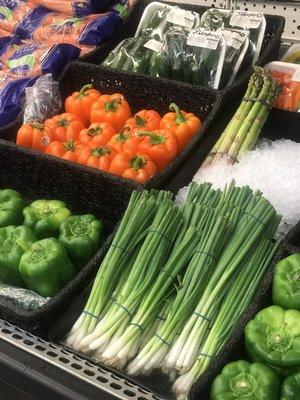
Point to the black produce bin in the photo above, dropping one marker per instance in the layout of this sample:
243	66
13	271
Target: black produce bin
269	52
35	176
158	383
141	92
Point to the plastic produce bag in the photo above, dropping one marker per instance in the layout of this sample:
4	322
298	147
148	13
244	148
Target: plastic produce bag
253	22
21	17
292	55
11	91
158	18
77	8
91	30
131	55
22	298
204	60
288	76
43	100
32	59
237	43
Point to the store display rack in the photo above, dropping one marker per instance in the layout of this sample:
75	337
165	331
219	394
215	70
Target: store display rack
41	370
44	370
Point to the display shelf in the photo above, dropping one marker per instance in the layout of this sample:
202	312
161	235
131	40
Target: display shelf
40	369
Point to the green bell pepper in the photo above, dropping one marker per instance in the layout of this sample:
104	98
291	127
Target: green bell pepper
282	372
46	267
290	388
45	216
286	283
274	335
242	380
14	241
11	207
81	235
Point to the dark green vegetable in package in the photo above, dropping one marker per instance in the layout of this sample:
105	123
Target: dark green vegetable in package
242	380
11	207
81	235
14	241
274	336
286	283
46	267
290	388
45	216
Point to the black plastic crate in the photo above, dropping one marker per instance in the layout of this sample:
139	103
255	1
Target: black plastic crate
269	51
140	93
158	383
34	176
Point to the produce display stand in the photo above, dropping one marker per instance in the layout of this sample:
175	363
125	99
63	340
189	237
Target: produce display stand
35	366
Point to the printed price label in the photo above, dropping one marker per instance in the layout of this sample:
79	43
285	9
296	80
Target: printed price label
154	45
234	38
246	19
206	40
181	17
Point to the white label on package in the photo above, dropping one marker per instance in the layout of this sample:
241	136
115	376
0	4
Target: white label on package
181	17
234	38
154	45
296	75
246	19
206	39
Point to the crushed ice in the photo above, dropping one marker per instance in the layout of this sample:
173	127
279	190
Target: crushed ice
272	167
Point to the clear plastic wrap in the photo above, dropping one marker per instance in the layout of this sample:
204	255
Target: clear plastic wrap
292	55
33	59
22	298
288	76
43	100
253	22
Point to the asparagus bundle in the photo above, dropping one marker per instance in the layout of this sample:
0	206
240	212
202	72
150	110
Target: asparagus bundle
243	130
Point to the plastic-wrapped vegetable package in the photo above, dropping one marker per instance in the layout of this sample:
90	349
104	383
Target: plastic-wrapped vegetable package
43	25
292	55
87	31
11	90
288	76
21	17
33	59
72	7
241	50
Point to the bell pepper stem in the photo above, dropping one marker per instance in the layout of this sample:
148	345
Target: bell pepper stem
179	119
100	151
113	105
123	135
94	131
139	121
70	145
64	122
138	162
37	125
84	89
154	137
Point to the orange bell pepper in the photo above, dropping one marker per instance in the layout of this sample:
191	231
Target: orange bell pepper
111	108
138	167
144	119
68	151
97	135
160	145
183	124
64	127
97	157
125	140
34	136
80	103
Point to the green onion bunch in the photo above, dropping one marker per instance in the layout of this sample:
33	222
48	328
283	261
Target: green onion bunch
176	279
